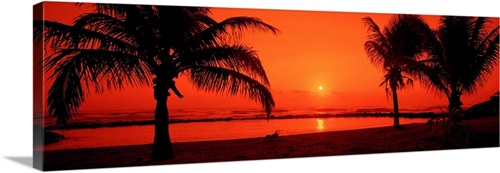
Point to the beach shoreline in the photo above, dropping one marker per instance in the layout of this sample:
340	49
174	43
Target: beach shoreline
412	137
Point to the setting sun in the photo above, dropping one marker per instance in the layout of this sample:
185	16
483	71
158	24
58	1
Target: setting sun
320	88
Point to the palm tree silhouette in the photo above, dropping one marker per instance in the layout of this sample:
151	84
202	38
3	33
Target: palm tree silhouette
396	50
144	45
463	54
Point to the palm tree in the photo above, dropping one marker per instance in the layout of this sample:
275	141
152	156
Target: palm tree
396	50
144	45
463	55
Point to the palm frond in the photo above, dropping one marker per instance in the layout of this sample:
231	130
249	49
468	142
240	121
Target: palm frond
229	28
103	23
58	35
199	10
408	83
78	71
386	83
477	31
206	20
377	54
375	34
38	31
102	30
239	58
54	34
226	81
428	73
242	23
483	65
118	10
66	93
488	40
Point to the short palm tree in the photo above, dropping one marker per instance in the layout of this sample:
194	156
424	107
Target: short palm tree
464	53
396	50
144	45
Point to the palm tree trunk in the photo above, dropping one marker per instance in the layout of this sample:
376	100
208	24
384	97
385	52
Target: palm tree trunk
162	146
454	102
396	106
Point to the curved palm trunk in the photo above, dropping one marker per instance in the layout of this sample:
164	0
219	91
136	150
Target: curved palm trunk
396	106
162	146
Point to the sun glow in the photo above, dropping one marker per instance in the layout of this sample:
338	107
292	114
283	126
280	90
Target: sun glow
320	124
320	88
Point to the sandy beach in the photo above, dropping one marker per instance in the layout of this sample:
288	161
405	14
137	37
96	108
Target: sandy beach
411	137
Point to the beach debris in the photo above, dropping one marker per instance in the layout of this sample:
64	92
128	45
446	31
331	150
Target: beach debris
272	136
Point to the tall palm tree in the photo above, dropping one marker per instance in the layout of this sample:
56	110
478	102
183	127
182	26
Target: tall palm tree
463	55
144	45
396	50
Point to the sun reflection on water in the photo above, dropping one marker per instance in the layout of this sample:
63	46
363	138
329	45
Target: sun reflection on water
321	124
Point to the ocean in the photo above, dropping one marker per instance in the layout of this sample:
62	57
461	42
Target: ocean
102	117
213	124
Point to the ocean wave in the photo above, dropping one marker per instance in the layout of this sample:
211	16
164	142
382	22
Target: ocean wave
93	124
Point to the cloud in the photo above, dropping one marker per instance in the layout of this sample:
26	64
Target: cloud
301	92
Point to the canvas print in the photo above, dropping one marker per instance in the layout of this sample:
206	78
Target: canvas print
131	85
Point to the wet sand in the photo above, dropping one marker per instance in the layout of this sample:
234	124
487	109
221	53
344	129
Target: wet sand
411	137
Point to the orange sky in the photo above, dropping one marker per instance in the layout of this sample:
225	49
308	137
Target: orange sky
313	49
